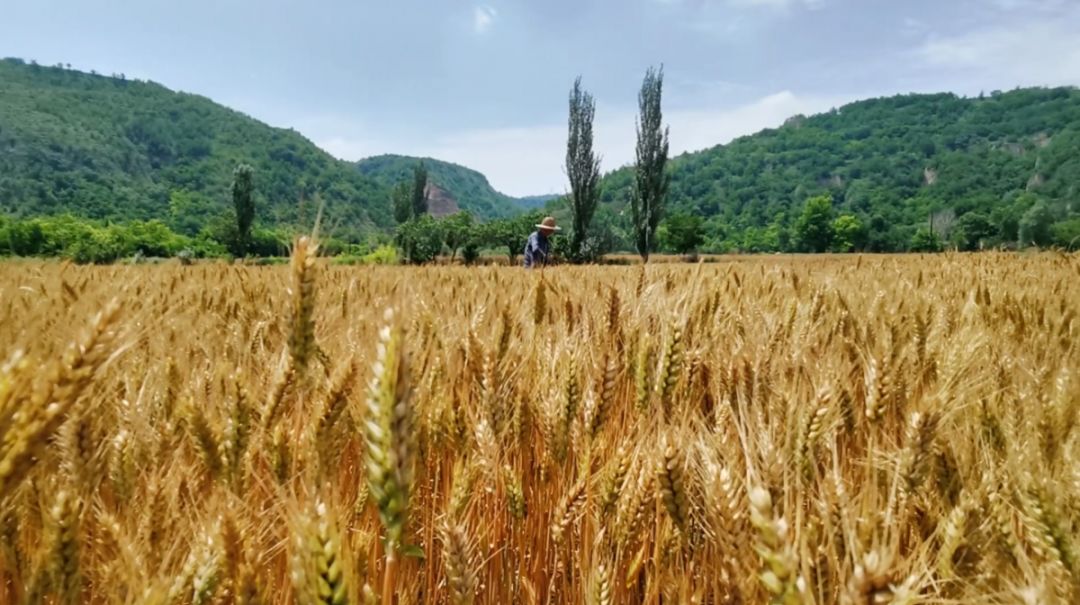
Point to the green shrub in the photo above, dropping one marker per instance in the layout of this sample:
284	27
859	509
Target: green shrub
925	240
470	251
1067	233
420	239
383	255
268	242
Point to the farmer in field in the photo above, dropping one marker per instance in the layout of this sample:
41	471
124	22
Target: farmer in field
538	248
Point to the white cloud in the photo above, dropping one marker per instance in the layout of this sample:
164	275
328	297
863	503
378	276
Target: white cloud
483	18
529	160
1035	53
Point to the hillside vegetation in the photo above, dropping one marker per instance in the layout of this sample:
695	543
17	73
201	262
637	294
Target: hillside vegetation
911	172
111	148
467	187
977	164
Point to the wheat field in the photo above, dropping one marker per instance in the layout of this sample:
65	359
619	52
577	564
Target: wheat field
859	430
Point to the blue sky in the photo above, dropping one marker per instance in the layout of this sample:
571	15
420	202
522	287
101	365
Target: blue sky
484	83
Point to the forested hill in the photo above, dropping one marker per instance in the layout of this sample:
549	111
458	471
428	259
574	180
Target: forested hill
467	187
990	170
112	148
891	162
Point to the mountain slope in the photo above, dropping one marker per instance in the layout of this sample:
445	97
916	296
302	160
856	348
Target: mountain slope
889	161
532	202
469	188
111	148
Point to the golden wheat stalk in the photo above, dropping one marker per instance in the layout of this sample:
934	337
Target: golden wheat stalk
458	563
389	438
48	407
301	323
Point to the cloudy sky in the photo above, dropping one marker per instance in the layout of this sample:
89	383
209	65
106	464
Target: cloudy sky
484	83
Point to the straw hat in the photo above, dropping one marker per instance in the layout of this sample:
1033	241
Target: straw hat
548	224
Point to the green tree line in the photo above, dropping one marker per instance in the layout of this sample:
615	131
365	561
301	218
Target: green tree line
118	150
911	172
95	168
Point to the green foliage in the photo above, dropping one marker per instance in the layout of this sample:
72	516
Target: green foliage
760	240
848	233
606	234
385	254
682	233
401	198
419	190
609	231
120	150
1006	218
470	252
925	240
457	231
420	239
510	233
93	242
243	196
582	168
23	239
814	228
1034	228
268	242
410	202
651	180
889	162
1066	233
534	202
189	212
503	233
468	187
973	231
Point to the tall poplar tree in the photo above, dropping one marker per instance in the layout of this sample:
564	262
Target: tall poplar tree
582	168
243	195
650	177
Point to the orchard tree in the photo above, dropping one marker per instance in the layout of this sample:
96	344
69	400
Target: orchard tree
421	239
510	233
457	231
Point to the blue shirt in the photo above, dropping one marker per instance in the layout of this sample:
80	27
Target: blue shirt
536	250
